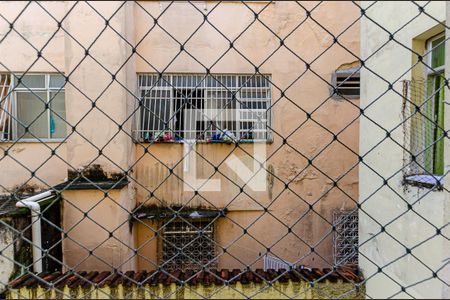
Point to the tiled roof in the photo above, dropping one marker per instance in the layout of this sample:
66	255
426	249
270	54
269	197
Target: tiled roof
206	278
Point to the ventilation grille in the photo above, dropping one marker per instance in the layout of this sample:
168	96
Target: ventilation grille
345	237
347	84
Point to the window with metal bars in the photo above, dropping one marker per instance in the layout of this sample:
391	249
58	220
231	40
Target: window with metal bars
215	107
188	245
345	237
32	107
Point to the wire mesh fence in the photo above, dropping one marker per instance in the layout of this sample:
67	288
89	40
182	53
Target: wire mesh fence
220	149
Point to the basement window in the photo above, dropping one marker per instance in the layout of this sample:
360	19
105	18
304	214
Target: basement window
32	107
346	83
345	239
188	245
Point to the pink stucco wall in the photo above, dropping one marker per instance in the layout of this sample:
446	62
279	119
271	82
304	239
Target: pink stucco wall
99	129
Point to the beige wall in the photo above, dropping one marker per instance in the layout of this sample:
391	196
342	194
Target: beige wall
157	49
37	28
380	204
88	219
256	44
98	130
24	158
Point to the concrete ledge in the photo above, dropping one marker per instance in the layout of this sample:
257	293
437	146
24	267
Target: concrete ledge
97	185
277	290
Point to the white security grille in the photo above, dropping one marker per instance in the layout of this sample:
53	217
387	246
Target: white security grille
275	263
212	107
345	237
5	107
188	245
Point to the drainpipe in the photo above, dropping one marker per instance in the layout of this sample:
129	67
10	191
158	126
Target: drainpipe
35	208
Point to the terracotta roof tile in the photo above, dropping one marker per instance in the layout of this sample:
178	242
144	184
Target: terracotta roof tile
139	276
76	279
207	277
331	276
101	277
89	277
111	279
16	283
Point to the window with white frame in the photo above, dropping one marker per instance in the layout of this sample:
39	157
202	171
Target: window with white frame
214	107
32	107
5	107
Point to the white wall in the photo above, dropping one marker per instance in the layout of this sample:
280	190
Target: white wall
7	257
387	205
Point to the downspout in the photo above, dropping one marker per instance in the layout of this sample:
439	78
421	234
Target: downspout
35	208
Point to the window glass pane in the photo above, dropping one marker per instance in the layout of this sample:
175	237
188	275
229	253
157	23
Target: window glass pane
439	120
58	127
430	149
426	150
438	52
31	81
155	111
57	81
31	112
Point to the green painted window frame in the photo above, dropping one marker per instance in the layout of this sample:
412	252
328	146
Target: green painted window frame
434	106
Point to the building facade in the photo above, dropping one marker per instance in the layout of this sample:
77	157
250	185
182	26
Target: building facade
106	110
403	189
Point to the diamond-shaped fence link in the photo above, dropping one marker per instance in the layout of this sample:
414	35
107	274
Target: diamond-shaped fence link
224	149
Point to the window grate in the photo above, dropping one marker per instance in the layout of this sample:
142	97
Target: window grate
345	237
204	107
188	245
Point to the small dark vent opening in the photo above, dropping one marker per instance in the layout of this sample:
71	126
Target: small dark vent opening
347	84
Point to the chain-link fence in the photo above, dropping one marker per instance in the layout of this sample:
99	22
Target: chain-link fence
224	149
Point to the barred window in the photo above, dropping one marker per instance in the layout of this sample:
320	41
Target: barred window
345	237
212	108
32	107
426	115
188	245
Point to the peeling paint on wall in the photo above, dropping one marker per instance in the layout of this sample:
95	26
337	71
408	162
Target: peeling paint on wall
7	257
